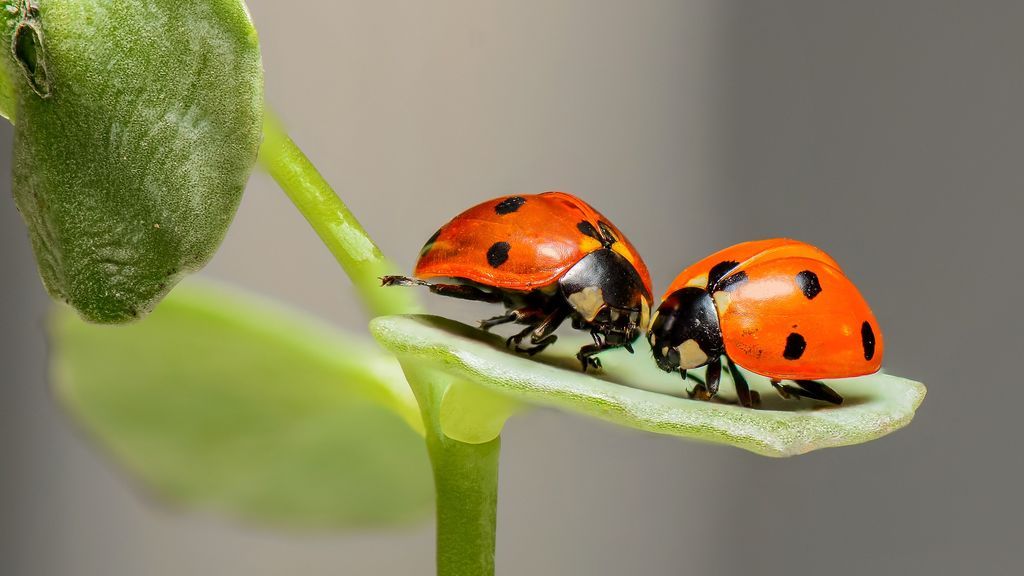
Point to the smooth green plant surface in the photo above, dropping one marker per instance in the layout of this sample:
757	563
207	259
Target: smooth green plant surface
339	230
631	390
138	123
223	401
465	474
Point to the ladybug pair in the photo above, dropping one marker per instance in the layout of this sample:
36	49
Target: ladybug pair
779	308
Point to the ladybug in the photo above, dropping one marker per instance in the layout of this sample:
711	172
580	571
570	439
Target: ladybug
547	257
779	308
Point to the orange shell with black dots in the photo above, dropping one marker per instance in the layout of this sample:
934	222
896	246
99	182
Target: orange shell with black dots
787	311
523	242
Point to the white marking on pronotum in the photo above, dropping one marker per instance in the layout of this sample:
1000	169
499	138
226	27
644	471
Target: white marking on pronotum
691	355
588	302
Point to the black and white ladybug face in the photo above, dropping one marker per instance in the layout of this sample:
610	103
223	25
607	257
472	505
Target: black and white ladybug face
607	295
685	332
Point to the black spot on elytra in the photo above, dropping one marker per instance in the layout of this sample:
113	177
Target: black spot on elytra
497	254
588	229
808	283
732	281
509	205
795	346
867	338
429	243
718	271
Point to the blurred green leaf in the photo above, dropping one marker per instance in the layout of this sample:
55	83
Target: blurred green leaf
630	390
137	124
220	401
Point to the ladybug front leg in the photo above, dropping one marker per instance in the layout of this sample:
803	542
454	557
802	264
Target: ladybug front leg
740	382
818	391
461	291
808	389
513	316
586	355
541	334
712	376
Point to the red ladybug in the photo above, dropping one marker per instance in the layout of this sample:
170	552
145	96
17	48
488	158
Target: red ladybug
779	308
546	257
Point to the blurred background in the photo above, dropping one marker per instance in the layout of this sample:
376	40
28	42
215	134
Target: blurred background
891	134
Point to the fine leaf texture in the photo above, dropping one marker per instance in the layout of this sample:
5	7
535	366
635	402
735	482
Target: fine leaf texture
137	125
630	390
220	401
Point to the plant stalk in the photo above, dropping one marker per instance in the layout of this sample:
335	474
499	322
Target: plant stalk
465	475
465	481
339	230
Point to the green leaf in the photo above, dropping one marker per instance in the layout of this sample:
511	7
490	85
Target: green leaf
221	401
138	123
630	390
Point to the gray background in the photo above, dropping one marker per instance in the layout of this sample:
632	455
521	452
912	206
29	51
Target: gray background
889	133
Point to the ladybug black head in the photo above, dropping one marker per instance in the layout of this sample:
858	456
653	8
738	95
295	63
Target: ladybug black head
607	296
685	333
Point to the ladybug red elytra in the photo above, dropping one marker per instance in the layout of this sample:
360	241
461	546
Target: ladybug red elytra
547	257
779	308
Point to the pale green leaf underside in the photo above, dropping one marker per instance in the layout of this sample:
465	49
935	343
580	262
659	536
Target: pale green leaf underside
221	401
632	391
474	414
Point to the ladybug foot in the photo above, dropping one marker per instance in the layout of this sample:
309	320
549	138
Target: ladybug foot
534	350
755	399
539	344
588	361
489	323
808	389
699	392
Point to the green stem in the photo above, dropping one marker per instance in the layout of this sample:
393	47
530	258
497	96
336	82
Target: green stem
330	218
465	482
465	475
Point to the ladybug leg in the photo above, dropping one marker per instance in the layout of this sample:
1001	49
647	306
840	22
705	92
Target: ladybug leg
539	328
543	335
489	323
782	390
514	340
808	389
700	390
586	353
740	381
819	391
461	291
712	376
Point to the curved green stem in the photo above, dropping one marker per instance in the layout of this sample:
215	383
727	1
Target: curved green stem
466	483
465	475
330	218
